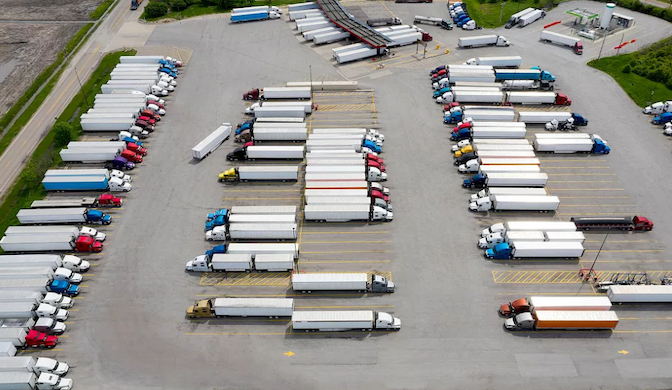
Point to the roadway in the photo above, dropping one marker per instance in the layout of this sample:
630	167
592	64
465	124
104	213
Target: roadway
84	62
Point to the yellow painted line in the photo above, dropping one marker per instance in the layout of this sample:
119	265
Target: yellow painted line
69	322
7	166
625	241
584	181
383	232
586	189
642	331
626	250
545	293
120	18
346	242
645	319
571	160
594	197
580	174
83	285
237	334
580	168
73	80
269	198
332	252
73	309
342	261
593	213
294	190
38	350
599	205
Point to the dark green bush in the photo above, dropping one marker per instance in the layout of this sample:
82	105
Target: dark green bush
156	9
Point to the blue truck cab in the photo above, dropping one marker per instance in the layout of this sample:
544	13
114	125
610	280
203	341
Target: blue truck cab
216	249
220	220
499	252
132	141
441	91
168	65
224	212
460	135
438	68
168	71
371	145
462	21
662	118
97	216
477	181
247	125
600	146
452	117
579	120
63	287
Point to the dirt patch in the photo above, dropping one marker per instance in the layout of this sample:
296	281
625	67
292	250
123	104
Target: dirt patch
47	10
30	52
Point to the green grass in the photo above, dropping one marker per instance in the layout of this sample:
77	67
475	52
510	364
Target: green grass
100	10
9	135
198	9
637	87
27	187
487	14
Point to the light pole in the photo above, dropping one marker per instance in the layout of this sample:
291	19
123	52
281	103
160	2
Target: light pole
86	99
501	12
592	266
601	47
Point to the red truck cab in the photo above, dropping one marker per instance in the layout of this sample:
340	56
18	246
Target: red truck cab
379	195
426	37
377	159
151	114
110	200
252	94
147	119
642	223
376	164
517	306
131	156
578	48
88	244
144	125
137	149
37	339
562	100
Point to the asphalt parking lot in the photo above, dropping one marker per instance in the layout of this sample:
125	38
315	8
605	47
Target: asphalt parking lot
130	330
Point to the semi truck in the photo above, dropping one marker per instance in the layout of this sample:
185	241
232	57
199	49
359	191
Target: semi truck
346	212
70	262
371	173
280	111
476	115
31	309
22	339
474	165
532	117
492	240
339	321
241	307
516	203
307	106
100	201
568	303
535	249
506	180
523	74
520	191
640	293
31	364
592	145
530	17
515	18
50	243
497	62
36	297
241	262
636	222
552	37
72	231
563	320
211	142
557	99
278	93
359	281
253	231
546	226
85	183
525	85
261	172
658	108
359	54
31	381
482	40
63	215
361	200
238	17
43	285
263	210
253	152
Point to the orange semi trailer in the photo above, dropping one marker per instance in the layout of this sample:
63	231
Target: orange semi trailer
563	320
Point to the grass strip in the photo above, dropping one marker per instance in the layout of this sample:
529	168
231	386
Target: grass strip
6	119
199	9
28	187
486	14
100	10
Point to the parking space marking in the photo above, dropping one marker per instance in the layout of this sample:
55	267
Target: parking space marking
335	252
342	261
267	198
383	232
627	250
347	242
586	189
38	350
594	197
559	277
584	181
257	278
292	190
600	205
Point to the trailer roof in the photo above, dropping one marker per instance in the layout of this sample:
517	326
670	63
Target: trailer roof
330	277
575	315
255	302
570	301
602	220
328	316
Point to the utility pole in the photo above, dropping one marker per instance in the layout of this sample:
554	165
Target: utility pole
592	267
81	88
601	47
501	12
619	45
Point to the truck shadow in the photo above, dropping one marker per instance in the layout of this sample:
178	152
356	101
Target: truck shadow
562	334
352	334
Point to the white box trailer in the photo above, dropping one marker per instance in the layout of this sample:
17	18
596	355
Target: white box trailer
546	226
281	111
347	168
477	123
34	284
330	281
519	191
118	145
39	230
499	141
261	172
640	293
499	132
275	152
7	349
353	145
562	135
309	35
488	169
21	296
304	6
264	248
530	17
405	39
64	215
112	124
497	62
331	177
229	262
302	14
314	25
490	115
546	249
253	307
566	236
516	179
334	154
274	262
310	193
58	242
543	117
311	19
345	49
569	303
278	120
299	124
335	321
357	54
330	37
482	40
263	231
280	133
507	154
263	210
337	161
563	145
211	142
53	261
509	161
140	59
523	203
261	218
559	39
345	212
488	146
